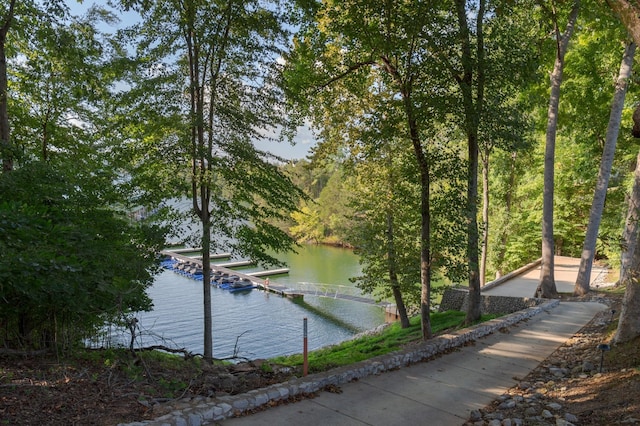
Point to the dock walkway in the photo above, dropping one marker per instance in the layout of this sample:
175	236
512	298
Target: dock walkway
253	277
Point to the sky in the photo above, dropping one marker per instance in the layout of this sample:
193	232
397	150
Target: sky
303	141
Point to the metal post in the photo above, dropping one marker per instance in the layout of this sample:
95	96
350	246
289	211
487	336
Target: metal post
305	362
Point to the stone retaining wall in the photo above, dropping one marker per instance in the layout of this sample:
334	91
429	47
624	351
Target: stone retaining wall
455	299
201	410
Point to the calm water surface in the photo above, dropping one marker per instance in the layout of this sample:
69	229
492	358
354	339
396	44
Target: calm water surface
256	324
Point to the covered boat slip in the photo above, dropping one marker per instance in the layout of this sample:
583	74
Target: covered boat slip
253	277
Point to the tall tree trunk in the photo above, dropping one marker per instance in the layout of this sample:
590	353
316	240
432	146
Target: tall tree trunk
473	111
425	245
508	201
425	192
425	224
393	274
629	322
485	216
206	286
6	148
588	251
547	286
630	233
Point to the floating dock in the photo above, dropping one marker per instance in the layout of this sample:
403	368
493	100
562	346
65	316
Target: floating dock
253	276
214	256
185	250
268	272
235	264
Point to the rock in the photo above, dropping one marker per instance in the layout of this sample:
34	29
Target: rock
475	415
546	414
495	422
571	418
556	371
497	416
554	406
507	404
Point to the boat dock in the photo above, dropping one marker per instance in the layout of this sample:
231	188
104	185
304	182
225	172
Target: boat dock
214	256
269	272
235	264
272	287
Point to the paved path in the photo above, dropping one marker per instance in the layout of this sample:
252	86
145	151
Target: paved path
565	274
444	391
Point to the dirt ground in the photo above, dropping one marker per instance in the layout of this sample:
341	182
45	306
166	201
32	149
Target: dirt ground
106	389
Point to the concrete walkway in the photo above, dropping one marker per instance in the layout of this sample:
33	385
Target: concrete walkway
565	272
444	391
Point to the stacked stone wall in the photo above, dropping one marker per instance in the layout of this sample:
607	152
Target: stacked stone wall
455	299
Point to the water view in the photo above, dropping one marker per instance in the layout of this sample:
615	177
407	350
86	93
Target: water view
257	324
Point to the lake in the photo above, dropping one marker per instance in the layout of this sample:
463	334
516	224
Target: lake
258	324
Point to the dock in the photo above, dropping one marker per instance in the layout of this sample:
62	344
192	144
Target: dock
272	287
236	264
214	256
185	250
269	272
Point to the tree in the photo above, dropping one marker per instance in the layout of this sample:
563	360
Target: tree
223	57
385	197
72	260
6	150
342	43
547	286
629	322
588	252
472	91
333	209
307	225
69	263
630	232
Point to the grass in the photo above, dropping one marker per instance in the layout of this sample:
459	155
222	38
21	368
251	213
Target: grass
391	339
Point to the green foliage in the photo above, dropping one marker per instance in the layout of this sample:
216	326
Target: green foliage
307	225
592	64
69	263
